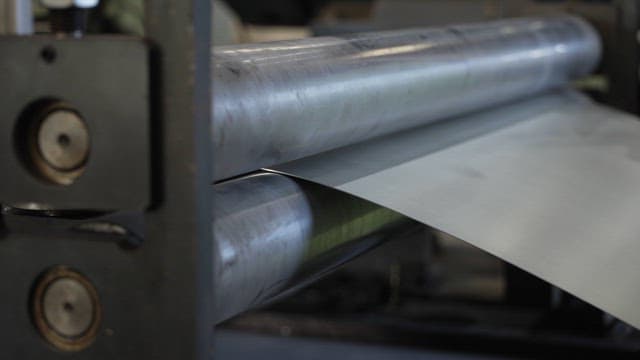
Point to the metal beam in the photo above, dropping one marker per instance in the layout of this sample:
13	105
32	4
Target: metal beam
16	17
179	231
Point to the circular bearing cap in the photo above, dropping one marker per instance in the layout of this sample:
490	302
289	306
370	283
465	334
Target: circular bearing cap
63	140
66	309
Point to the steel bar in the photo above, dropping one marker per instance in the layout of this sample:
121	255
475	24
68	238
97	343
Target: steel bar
282	101
275	234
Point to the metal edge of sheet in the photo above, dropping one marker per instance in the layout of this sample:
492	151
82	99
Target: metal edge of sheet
548	184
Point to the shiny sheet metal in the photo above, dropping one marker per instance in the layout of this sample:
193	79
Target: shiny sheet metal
274	234
549	184
282	101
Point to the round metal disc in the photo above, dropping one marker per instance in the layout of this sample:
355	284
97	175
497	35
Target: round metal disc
68	307
63	140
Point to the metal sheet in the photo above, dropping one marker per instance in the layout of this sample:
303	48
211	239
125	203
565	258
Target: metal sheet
548	184
282	101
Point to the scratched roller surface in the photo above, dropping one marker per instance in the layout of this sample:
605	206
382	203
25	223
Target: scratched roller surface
282	101
545	180
549	184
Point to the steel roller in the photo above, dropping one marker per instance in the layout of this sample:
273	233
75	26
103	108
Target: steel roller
274	234
277	102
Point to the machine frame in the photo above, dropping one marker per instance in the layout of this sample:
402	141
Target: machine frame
149	262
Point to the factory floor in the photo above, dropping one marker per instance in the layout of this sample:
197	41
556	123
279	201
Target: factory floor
239	345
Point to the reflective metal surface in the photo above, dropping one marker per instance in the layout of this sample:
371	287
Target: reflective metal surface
16	17
68	307
282	101
57	141
63	140
274	234
549	185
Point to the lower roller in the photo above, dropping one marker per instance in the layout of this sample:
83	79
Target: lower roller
274	234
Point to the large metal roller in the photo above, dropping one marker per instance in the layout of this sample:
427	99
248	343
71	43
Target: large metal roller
281	101
274	234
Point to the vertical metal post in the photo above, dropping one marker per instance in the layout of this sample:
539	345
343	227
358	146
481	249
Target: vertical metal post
623	57
180	30
16	17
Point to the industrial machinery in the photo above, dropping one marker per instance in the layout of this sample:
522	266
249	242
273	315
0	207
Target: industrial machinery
153	187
